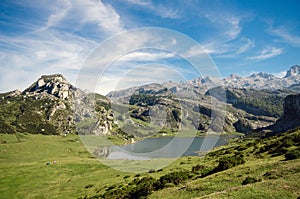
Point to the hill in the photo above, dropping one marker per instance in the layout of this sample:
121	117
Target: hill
252	168
51	105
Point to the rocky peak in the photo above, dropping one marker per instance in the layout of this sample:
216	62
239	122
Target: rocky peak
294	71
262	75
54	84
233	76
14	93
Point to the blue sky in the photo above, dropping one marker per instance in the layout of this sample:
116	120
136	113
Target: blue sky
47	36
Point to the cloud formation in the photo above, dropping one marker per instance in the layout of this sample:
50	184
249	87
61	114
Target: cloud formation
267	53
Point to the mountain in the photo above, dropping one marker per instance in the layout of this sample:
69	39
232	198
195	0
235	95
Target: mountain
187	108
291	115
252	102
51	105
294	72
257	81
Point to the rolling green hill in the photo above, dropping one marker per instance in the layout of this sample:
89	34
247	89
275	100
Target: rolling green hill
266	168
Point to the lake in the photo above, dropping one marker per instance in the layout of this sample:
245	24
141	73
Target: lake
163	147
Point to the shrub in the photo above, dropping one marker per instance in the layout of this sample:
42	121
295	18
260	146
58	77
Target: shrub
293	154
138	188
88	186
126	177
271	175
144	187
197	168
175	178
229	162
250	180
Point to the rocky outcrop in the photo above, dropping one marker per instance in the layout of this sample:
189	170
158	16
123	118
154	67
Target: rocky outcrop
51	105
291	115
55	85
294	71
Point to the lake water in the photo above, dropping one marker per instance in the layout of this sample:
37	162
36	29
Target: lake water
163	147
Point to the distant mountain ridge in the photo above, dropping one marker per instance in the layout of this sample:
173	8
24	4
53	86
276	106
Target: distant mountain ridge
257	81
252	102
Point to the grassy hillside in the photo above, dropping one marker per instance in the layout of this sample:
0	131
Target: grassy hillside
256	102
266	168
43	114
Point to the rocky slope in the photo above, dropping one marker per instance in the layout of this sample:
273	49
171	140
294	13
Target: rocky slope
51	105
252	102
291	115
198	111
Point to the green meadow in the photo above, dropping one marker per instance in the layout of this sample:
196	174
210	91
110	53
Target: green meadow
248	169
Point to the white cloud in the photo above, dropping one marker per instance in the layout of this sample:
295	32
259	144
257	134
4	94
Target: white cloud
53	47
75	14
228	24
158	9
145	56
230	48
267	53
196	51
39	54
234	28
138	75
228	41
104	15
60	12
140	2
246	46
286	36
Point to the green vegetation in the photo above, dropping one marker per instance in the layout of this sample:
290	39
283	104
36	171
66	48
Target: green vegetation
143	100
34	114
293	154
262	168
256	102
250	180
269	106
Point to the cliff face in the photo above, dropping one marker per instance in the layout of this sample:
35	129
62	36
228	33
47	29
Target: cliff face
291	115
292	106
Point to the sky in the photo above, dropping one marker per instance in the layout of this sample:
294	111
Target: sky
40	37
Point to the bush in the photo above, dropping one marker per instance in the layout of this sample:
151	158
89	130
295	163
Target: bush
175	178
293	154
138	188
271	175
144	187
197	168
229	162
250	180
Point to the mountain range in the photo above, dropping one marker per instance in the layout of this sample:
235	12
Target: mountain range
51	105
257	81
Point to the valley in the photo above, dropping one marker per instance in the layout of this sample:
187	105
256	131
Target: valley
52	133
76	174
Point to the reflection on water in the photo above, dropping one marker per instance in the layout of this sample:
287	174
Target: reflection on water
163	147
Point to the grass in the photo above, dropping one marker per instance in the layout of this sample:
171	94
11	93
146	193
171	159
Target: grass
24	173
76	174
